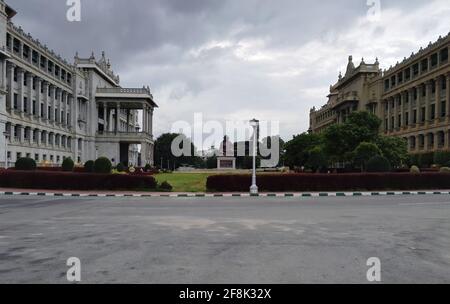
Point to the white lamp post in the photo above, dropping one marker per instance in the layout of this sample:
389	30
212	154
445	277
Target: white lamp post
6	149
254	123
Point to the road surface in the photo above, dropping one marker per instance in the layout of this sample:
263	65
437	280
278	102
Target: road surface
225	240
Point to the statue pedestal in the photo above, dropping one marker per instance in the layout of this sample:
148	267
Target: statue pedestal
226	163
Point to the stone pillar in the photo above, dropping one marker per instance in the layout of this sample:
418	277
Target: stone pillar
427	102
117	118
38	96
30	99
151	121
20	78
438	98
144	118
11	69
128	121
105	117
389	114
447	96
410	107
39	135
53	103
46	90
21	134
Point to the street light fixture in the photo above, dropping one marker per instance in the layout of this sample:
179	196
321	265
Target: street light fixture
254	124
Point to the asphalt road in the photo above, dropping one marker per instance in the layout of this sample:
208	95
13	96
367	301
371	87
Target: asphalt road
225	240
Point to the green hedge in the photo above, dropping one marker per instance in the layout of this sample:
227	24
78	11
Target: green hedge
74	181
330	182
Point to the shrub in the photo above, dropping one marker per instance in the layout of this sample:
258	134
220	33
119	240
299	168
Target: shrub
147	168
445	170
165	186
89	166
25	164
441	158
102	165
74	181
68	165
317	159
414	170
378	164
426	160
120	167
365	152
330	182
413	160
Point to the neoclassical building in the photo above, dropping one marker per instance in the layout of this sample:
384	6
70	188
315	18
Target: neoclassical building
412	98
51	109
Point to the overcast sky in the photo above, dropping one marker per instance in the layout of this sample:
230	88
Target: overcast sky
235	59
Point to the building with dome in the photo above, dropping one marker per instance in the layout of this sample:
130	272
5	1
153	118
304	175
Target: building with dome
51	109
412	98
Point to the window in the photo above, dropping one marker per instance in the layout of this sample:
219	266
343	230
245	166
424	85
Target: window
408	74
434	60
415	116
25	105
25	80
44	157
399	122
36	157
444	55
51	158
386	84
58	158
433	112
18	155
43	62
424	65
400	77
16	102
416	69
422	115
15	75
34	107
443	110
26	51
34	83
42	110
35	57
393	83
406	119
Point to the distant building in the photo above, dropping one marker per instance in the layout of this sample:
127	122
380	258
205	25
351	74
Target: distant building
412	98
51	109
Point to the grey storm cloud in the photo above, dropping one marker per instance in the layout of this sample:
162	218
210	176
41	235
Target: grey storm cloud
233	58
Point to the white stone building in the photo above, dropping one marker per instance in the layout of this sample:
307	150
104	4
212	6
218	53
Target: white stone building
50	109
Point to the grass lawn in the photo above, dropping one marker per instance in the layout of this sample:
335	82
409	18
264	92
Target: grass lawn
185	182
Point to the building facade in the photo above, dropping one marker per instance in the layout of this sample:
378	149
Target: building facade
412	98
50	109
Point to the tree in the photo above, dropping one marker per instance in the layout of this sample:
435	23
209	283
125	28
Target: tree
342	139
364	152
378	164
393	148
165	157
267	145
298	149
317	159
